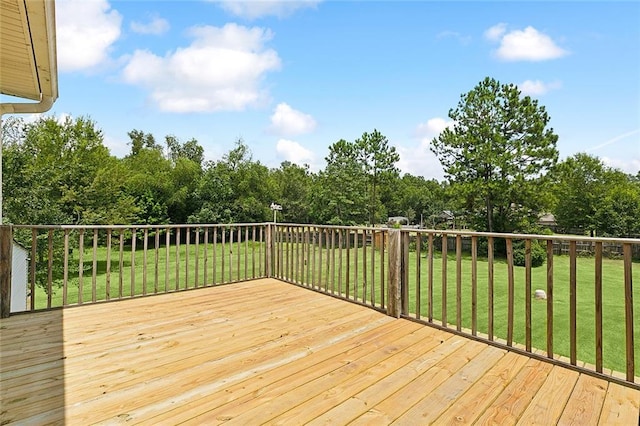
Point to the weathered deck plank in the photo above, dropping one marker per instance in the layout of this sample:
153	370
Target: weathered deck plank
268	352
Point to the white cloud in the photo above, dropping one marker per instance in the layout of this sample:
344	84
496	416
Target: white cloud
221	70
419	160
627	165
523	45
494	33
287	121
117	147
462	39
294	152
60	118
259	8
156	26
85	32
433	127
537	87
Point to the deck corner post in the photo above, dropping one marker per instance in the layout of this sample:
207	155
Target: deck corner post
394	289
6	259
269	249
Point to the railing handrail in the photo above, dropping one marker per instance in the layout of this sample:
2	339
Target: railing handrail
141	226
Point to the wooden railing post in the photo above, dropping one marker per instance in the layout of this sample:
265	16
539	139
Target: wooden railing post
6	259
394	295
269	250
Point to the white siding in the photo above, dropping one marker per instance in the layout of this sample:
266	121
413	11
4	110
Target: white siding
19	274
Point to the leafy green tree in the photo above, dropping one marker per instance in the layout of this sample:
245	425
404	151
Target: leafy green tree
53	170
378	161
496	155
618	214
149	183
339	196
579	187
140	140
234	189
191	150
293	185
418	199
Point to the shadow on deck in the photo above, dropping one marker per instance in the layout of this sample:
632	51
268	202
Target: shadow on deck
264	351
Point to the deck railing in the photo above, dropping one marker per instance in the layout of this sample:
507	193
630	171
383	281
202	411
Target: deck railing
75	265
346	262
576	309
579	309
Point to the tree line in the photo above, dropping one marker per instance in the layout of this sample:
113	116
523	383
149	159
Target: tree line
500	160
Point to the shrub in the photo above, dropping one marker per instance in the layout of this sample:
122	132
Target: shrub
538	254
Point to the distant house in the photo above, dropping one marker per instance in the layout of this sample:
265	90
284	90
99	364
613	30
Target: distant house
548	220
19	274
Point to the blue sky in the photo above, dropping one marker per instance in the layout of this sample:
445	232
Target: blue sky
293	77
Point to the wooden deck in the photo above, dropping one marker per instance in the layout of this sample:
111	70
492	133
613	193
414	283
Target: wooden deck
268	352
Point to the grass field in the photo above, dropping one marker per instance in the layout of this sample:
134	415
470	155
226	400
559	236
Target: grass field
244	261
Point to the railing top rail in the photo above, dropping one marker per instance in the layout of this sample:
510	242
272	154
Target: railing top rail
356	227
162	226
554	237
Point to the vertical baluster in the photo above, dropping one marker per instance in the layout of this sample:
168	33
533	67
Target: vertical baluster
382	263
94	270
511	292
196	283
549	298
444	279
364	266
628	310
598	307
333	261
32	266
50	268
372	268
80	266
224	255
206	256
490	288
156	253
238	256
121	264
145	247
418	274
527	293
187	244
65	273
474	285
356	243
459	282
133	263
177	284
572	303
167	255
214	255
108	269
430	278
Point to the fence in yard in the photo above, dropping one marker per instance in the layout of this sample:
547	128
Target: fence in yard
576	309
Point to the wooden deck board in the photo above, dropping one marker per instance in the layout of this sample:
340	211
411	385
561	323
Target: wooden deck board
264	351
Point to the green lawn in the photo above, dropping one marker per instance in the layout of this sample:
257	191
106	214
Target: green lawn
326	265
181	269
